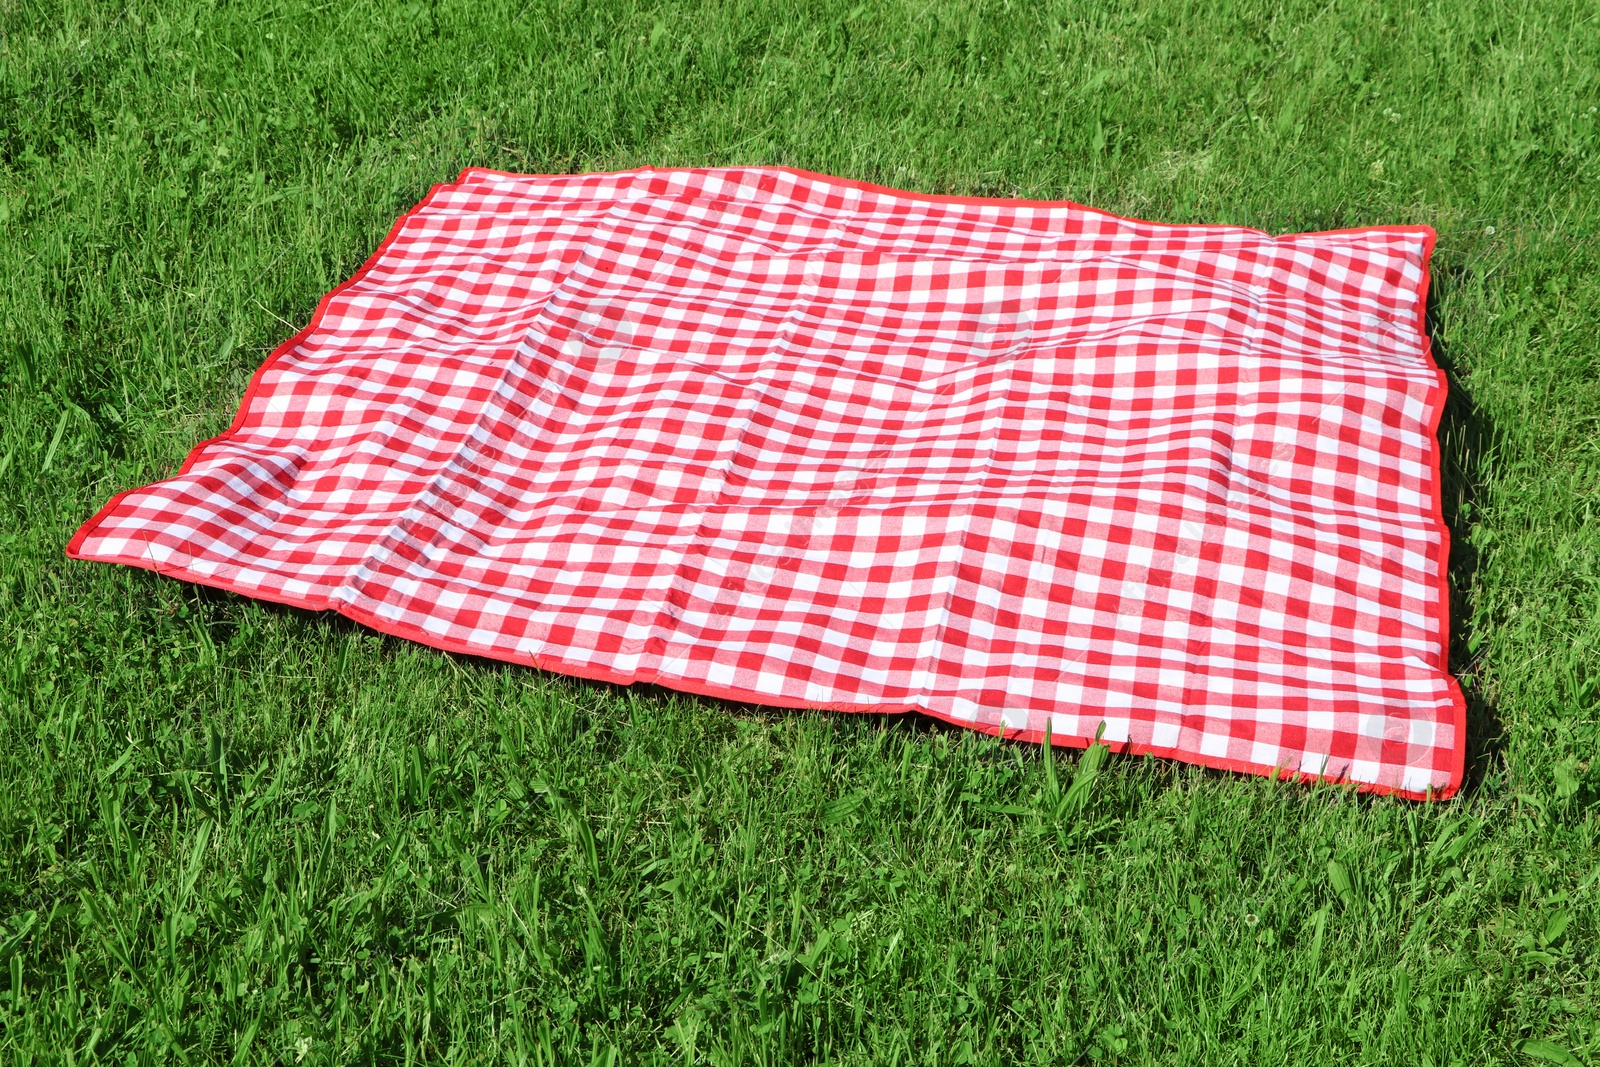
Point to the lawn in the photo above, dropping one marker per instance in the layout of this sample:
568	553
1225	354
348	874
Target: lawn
232	832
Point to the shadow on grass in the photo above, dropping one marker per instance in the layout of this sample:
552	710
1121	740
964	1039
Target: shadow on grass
1467	439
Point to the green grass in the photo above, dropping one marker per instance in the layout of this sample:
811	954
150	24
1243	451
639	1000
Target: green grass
236	833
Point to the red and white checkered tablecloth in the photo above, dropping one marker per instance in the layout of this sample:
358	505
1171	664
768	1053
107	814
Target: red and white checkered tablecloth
801	441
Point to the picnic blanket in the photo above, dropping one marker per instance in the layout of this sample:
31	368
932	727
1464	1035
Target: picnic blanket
800	441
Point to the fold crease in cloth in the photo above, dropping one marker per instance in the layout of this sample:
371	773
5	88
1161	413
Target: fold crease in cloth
805	442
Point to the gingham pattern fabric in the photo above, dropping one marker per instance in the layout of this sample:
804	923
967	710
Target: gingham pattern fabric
804	442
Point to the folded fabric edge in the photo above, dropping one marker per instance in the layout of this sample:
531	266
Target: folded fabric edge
1436	412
